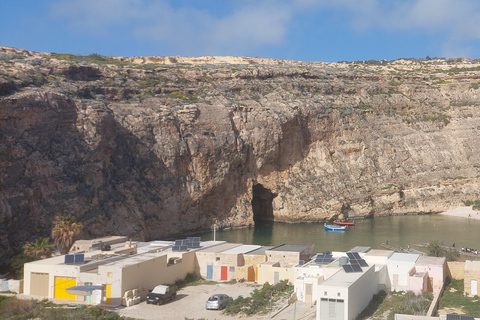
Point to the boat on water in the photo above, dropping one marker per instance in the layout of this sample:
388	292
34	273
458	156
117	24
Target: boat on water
332	227
344	223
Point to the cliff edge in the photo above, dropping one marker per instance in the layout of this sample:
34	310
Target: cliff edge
149	147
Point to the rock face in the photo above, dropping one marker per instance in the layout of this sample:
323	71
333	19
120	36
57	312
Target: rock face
156	146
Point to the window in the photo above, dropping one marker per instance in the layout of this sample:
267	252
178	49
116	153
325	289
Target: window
217	259
231	269
325	293
109	274
338	294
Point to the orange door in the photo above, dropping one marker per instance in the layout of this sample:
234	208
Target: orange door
224	273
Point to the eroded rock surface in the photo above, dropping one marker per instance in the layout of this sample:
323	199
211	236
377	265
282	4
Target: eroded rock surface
154	146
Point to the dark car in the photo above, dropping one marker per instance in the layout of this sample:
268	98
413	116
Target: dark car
161	293
218	301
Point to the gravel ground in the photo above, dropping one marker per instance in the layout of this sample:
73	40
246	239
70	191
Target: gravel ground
190	304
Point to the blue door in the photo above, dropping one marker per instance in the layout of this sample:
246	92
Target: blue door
4	285
276	277
209	271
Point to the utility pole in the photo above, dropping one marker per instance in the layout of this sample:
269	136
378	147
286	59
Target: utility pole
214	225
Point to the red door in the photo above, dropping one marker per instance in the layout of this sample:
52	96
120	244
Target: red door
224	273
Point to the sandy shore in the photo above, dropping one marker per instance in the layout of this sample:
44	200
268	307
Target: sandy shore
463	212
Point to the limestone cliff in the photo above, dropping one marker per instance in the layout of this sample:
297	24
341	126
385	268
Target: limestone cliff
149	147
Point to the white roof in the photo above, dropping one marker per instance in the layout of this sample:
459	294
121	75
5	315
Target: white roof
343	279
404	257
242	249
472	265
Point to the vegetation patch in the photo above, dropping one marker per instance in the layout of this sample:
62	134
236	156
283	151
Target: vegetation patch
475	204
453	298
13	308
260	301
385	306
436	248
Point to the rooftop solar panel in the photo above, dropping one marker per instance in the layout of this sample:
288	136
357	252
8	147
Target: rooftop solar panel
347	268
459	317
350	255
323	258
362	263
356	268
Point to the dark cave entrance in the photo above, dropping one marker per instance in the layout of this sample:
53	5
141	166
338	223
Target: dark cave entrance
262	203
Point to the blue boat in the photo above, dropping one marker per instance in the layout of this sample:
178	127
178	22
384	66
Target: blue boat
332	227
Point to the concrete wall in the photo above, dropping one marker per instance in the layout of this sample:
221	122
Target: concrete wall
471	276
418	282
54	270
254	260
301	285
437	273
266	273
361	292
11	285
399	271
283	258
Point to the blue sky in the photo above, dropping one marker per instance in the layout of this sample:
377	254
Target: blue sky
303	30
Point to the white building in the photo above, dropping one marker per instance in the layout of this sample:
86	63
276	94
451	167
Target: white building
399	268
345	295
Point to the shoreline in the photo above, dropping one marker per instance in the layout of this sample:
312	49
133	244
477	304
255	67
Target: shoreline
463	212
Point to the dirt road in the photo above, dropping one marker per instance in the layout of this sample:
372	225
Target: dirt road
190	304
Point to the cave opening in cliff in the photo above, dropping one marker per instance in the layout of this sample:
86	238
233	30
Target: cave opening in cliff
262	203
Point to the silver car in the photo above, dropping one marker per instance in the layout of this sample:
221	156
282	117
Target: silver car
218	301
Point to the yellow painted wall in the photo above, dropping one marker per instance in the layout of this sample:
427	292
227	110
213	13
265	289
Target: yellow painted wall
456	269
63	283
108	293
266	273
150	273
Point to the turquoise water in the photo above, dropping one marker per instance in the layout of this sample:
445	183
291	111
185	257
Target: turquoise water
399	231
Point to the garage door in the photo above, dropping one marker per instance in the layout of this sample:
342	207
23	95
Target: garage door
332	309
39	284
61	286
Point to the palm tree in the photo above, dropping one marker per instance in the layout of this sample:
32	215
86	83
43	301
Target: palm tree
40	249
64	232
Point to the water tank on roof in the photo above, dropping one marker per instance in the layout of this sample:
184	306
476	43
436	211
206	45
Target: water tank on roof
343	261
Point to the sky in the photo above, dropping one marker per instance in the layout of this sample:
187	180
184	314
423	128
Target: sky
301	30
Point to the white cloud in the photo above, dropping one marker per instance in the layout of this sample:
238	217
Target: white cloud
251	24
456	21
188	28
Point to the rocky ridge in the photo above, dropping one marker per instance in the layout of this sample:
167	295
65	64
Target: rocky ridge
150	147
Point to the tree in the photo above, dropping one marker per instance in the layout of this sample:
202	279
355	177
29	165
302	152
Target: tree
40	249
437	249
64	232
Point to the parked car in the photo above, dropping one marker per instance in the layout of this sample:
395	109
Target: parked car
218	301
161	293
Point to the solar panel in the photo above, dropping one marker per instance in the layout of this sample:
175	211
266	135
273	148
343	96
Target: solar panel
69	258
176	248
347	268
352	262
362	263
178	242
323	258
353	255
352	268
183	248
459	317
79	258
357	268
